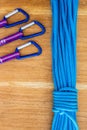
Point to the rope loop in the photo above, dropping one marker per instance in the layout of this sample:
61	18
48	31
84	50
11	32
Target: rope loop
65	100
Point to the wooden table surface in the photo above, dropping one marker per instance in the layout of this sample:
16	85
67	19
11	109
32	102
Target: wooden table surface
26	86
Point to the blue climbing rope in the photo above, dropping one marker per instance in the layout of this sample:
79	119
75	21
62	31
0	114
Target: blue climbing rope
65	94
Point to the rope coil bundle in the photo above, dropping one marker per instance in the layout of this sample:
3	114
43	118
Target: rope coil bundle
65	105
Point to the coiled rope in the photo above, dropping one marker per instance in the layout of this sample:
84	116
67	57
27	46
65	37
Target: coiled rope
65	105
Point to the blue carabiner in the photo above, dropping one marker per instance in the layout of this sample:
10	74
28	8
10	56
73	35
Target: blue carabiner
19	22
29	55
43	30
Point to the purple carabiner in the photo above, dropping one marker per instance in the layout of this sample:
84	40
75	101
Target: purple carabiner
18	56
9	57
11	38
20	33
4	22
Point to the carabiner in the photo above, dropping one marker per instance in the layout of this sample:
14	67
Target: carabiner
20	34
17	54
4	22
33	35
29	55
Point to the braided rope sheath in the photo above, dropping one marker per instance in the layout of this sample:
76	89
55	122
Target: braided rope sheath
65	105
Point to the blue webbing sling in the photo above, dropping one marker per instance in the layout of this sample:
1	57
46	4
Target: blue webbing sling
65	94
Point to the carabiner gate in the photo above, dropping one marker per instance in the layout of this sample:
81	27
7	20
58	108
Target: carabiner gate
4	22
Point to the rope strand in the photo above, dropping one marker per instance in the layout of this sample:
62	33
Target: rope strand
65	95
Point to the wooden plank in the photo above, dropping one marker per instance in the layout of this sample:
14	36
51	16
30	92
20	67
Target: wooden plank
26	86
30	108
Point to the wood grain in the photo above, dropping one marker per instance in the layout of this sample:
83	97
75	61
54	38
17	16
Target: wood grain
26	86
